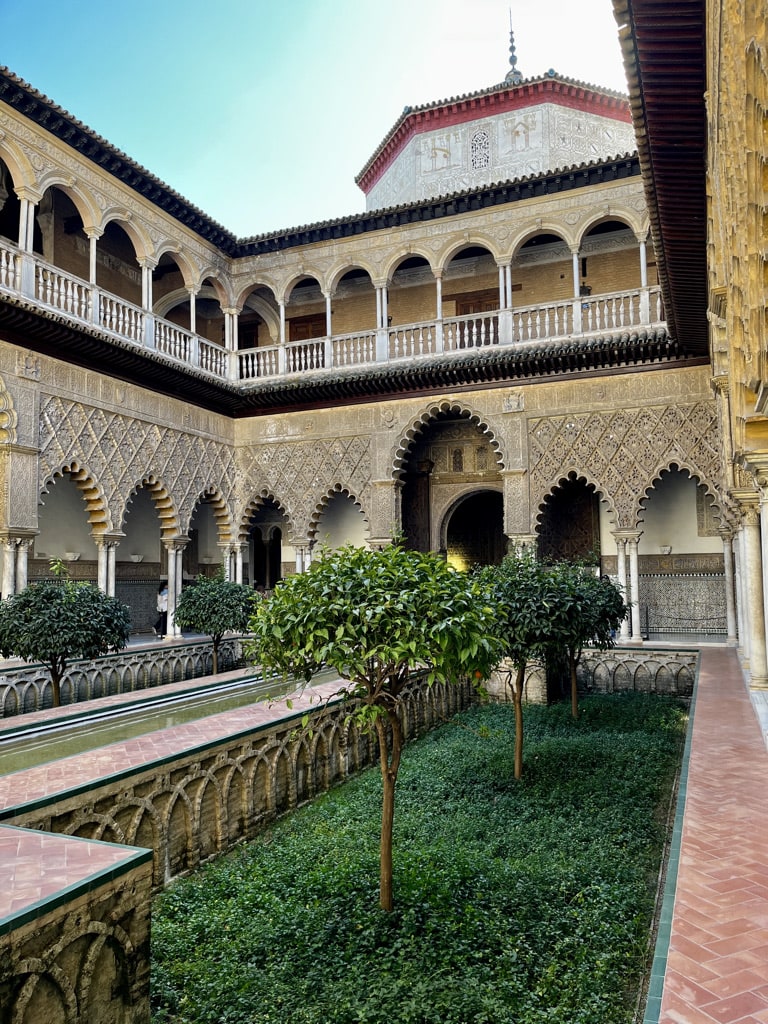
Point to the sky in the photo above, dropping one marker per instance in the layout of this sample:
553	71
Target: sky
262	112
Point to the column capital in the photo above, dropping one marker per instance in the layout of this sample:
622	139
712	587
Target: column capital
720	384
626	535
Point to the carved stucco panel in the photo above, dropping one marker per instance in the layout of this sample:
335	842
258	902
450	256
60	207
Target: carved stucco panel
301	473
622	451
119	451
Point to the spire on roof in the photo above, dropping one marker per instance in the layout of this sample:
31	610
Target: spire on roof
513	76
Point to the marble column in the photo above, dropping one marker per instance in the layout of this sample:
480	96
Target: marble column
730	600
634	588
753	579
621	574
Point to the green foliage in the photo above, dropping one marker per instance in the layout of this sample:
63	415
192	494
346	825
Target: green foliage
375	617
56	620
520	903
214	606
587	609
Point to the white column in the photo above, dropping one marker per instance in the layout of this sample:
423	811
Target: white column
102	570
9	567
192	311
25	240
238	563
93	237
378	308
178	557
502	288
508	276
282	323
576	274
753	570
621	573
384	306
730	602
738	562
22	561
146	285
170	624
439	307
634	587
643	264
111	560
328	316
299	560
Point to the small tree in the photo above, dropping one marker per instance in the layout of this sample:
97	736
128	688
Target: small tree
587	610
214	606
376	618
522	595
56	620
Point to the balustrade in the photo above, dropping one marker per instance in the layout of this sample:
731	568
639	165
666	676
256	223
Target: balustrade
32	277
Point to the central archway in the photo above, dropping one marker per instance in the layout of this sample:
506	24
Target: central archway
474	531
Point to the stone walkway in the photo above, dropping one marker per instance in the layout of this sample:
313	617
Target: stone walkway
717	957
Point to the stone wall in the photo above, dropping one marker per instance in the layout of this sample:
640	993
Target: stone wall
27	687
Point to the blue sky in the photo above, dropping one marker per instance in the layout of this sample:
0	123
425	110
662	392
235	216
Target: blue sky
260	112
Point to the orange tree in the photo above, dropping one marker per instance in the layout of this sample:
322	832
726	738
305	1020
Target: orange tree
213	605
377	618
586	610
56	620
523	595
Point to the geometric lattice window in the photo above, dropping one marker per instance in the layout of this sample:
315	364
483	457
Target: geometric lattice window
480	150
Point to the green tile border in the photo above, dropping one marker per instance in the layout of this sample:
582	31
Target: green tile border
664	929
135	856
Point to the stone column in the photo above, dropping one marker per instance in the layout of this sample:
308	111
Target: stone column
192	311
753	584
111	567
576	273
634	587
102	570
171	628
730	601
22	562
238	549
643	263
502	288
9	566
738	561
621	574
328	315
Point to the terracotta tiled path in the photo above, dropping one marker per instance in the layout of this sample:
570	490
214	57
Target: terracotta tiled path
717	961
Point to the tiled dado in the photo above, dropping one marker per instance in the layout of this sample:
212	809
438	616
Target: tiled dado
95	833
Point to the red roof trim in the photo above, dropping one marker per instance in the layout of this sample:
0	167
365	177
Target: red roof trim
460	111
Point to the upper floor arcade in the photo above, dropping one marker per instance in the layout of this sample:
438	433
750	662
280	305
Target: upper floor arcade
521	272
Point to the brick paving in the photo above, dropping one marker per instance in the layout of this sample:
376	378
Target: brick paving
717	961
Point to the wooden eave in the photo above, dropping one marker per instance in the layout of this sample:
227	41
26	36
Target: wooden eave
49	334
664	55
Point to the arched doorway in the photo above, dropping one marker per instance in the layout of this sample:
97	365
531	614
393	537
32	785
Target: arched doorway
570	523
474	531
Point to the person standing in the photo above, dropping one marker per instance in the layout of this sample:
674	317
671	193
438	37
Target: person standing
161	626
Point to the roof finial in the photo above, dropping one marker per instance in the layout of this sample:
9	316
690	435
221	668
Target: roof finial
513	76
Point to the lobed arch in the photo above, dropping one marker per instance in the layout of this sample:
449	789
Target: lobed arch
92	493
9	418
569	476
427	416
164	506
455	245
224	527
678	465
252	506
322	504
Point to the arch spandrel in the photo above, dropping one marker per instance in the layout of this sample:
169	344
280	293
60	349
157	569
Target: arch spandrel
621	450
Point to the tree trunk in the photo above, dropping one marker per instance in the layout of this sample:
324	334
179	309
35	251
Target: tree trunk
574	686
215	659
56	672
390	764
517	694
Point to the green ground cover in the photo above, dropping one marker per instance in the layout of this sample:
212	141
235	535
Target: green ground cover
515	902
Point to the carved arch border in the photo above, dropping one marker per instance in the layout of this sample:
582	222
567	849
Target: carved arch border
428	416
